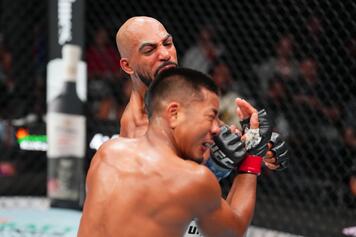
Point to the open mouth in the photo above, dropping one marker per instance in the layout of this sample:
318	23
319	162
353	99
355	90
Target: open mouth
205	146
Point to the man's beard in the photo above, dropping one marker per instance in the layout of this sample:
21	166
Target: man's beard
147	80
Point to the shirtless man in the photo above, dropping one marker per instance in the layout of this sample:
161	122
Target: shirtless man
146	49
154	185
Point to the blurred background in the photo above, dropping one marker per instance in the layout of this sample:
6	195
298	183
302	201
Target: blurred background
295	58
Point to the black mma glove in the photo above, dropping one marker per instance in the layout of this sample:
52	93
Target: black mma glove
226	153
280	151
265	132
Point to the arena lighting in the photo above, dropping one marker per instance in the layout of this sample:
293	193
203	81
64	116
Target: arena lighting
31	142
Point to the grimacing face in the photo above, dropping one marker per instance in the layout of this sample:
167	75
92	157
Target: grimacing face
153	51
196	129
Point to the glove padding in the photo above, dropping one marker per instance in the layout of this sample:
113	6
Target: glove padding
265	132
280	151
228	150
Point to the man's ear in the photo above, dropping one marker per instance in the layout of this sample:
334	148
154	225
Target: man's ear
173	114
125	65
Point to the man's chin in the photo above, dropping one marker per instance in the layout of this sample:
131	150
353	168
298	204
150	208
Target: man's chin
199	160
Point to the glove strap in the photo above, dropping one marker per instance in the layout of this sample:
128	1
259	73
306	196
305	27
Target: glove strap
251	164
219	171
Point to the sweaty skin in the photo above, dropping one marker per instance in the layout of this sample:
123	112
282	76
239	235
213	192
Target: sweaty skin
141	187
149	193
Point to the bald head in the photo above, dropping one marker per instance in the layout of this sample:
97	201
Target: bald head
146	48
132	30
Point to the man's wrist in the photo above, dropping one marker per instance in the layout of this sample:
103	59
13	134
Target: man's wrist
251	164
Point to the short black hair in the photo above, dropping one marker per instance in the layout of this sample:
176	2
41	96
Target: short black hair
177	83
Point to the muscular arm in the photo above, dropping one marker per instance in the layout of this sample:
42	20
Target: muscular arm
231	217
242	197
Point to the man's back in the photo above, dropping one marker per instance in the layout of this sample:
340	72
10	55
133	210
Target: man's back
147	193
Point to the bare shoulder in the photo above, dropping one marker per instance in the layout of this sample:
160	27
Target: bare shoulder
203	175
104	158
102	177
206	186
112	151
113	147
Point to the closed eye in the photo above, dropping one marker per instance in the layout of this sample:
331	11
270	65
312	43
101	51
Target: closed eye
148	50
168	43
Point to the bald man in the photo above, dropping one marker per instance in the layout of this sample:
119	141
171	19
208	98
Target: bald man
153	185
146	48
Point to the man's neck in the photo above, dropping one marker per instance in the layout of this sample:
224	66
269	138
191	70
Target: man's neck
136	99
159	135
138	86
137	109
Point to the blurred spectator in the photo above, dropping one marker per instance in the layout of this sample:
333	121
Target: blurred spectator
221	74
6	80
107	103
206	50
349	153
314	117
5	63
6	90
314	27
105	79
347	85
282	65
314	92
7	169
311	40
102	58
7	134
7	144
277	101
352	185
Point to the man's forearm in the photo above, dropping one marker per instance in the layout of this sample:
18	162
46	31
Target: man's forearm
242	197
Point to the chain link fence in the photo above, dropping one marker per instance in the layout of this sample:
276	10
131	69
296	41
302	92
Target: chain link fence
295	58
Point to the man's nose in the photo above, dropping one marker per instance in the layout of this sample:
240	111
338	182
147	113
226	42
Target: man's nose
215	129
164	54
